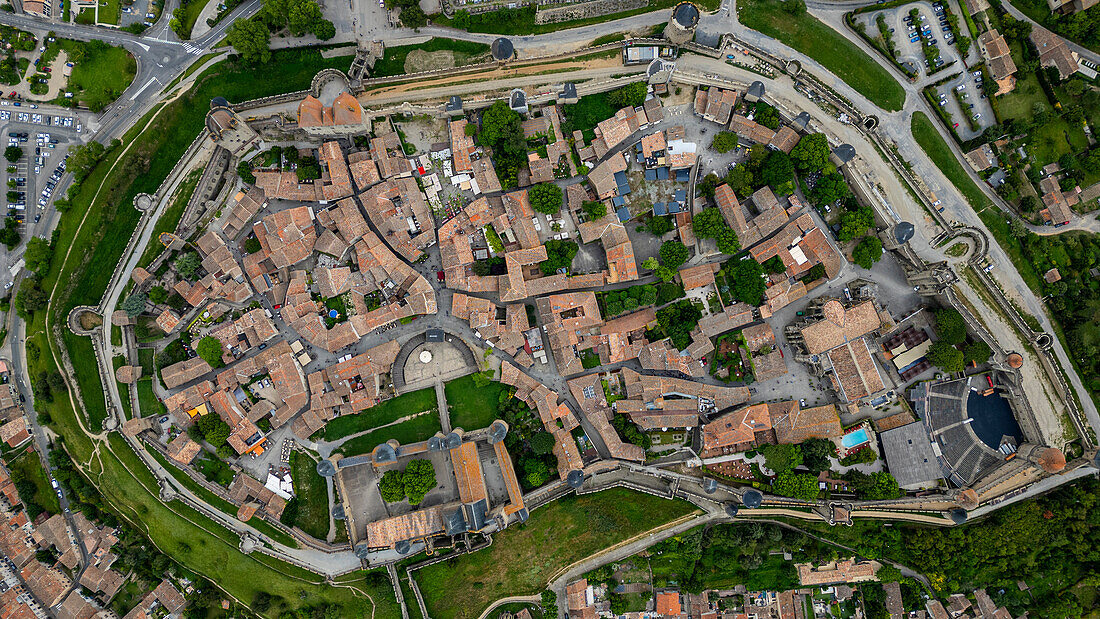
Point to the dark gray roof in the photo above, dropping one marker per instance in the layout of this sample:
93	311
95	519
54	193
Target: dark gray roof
517	99
845	153
710	485
218	102
502	49
454	104
686	15
957	515
435	335
403	547
569	90
338	512
575	478
903	232
756	89
436	443
452	440
801	121
497	431
909	455
362	551
731	509
384	453
752	499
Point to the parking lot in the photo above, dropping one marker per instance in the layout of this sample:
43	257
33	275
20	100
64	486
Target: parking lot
965	101
913	36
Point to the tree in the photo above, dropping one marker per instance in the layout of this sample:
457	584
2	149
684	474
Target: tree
535	472
593	209
950	326
650	263
210	349
413	16
811	154
134	304
82	159
631	95
724	141
727	241
774	265
782	458
13	153
977	352
777	170
188	265
559	255
30	297
673	253
213	429
659	225
391	486
740	179
677	321
855	223
419	479
867	252
250	38
748	282
801	486
829	188
708	223
245	172
943	355
816	453
38	255
664	273
545	198
9	235
542	443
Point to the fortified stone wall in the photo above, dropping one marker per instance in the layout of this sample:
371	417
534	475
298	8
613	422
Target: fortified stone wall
584	10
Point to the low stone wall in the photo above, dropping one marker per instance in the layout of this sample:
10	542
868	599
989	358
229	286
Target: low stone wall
584	10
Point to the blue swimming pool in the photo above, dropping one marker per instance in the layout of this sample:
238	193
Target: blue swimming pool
855	439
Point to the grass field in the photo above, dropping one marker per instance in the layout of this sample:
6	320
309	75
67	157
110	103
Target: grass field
31	467
380	414
414	430
191	11
940	154
110	11
147	400
523	559
472	407
123	389
810	36
129	490
170	218
101	72
465	52
312	494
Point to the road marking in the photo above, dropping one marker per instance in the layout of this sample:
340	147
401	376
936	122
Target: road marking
142	89
143	46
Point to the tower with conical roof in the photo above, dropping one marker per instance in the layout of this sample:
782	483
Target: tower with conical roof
681	25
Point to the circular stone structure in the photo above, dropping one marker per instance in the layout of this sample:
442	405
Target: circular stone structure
1015	361
502	49
428	361
752	499
903	232
325	468
1052	460
958	516
681	26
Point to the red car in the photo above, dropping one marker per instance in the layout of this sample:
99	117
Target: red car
441	276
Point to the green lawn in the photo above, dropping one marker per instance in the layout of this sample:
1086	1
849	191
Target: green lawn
940	154
100	72
87	376
31	467
380	414
191	12
169	220
472	407
810	36
523	558
312	495
145	357
414	430
147	400
465	52
110	11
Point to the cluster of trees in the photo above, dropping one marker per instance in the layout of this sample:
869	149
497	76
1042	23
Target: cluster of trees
659	225
9	234
867	252
709	224
783	459
631	95
13	154
724	141
30	297
630	432
874	486
213	430
502	131
855	221
26	489
677	321
946	352
210	349
593	209
47	384
412	16
414	482
616	302
535	460
672	255
559	255
187	265
298	17
546	198
746	280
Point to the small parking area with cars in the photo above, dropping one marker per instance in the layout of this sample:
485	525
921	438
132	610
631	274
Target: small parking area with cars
923	39
965	101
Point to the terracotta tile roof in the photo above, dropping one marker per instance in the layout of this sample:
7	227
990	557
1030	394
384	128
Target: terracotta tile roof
285	186
462	146
855	370
758	336
785	139
737	427
769	366
715	104
698	276
287	236
183	372
338	183
668	603
798	424
1053	52
182	449
468	474
839	325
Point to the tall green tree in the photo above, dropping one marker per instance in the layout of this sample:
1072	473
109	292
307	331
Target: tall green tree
250	38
